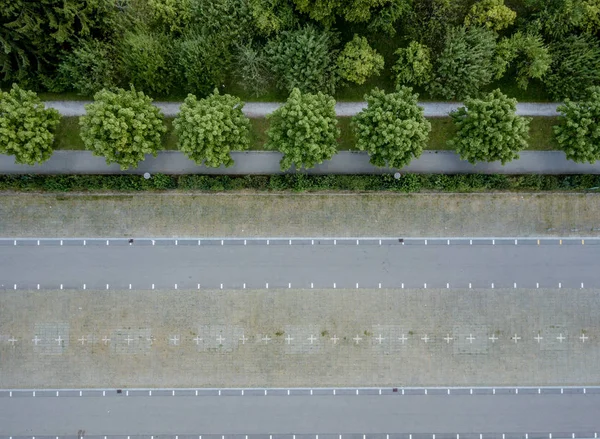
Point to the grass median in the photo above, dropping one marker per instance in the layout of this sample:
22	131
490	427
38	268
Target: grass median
442	130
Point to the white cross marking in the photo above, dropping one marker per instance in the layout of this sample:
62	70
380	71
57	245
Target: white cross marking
12	340
516	338
59	340
448	338
357	339
560	338
312	338
425	339
403	338
197	340
583	338
538	338
175	339
493	338
243	339
220	339
471	338
82	340
289	339
128	339
266	339
334	339
36	339
106	339
380	338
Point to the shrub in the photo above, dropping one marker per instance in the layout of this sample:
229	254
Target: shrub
413	65
89	68
358	61
122	126
209	129
26	126
465	64
147	61
575	67
303	59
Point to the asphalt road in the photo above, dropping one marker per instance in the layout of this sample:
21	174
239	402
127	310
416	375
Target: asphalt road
265	162
303	264
160	415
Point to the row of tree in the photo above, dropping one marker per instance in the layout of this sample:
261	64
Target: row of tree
451	48
123	126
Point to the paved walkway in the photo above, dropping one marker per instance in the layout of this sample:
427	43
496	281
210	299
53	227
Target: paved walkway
262	162
260	109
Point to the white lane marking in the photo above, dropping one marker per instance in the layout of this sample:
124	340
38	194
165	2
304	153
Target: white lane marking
537	285
448	242
379	284
582	285
38	241
107	286
493	242
402	286
492	285
447	285
38	286
61	286
267	285
289	285
129	286
311	285
152	286
335	242
221	286
244	286
425	242
469	284
334	285
176	242
425	286
515	242
515	285
559	285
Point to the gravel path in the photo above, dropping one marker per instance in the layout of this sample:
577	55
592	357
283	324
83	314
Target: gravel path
260	109
345	162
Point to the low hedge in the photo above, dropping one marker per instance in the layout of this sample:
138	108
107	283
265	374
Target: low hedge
301	182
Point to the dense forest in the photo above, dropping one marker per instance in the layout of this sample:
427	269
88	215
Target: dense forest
263	49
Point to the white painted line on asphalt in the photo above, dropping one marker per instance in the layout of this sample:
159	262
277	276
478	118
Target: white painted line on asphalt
539	391
537	285
107	286
129	286
244	242
107	242
34	393
244	286
290	242
153	286
357	242
38	241
471	391
61	286
448	391
582	285
221	286
470	242
516	391
357	285
219	393
469	285
561	391
312	242
559	285
425	391
267	242
493	242
515	242
267	285
447	285
311	285
154	242
221	242
103	393
380	242
335	242
560	241
515	285
379	284
15	242
425	242
61	242
582	242
425	286
311	392
492	285
176	242
334	285
38	286
402	285
84	286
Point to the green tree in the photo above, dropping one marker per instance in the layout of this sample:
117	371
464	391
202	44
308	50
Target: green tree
358	61
384	19
89	68
209	129
326	11
272	16
492	14
392	129
429	20
304	129
413	65
489	130
303	59
559	18
575	67
26	126
173	16
33	33
203	61
147	60
466	63
532	56
578	131
122	126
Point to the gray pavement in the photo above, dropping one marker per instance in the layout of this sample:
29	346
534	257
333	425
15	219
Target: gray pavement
329	416
301	263
261	109
263	162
